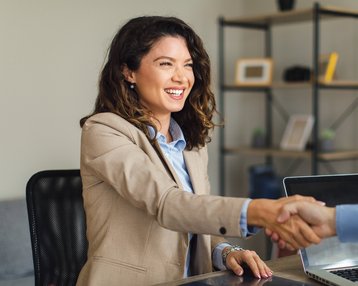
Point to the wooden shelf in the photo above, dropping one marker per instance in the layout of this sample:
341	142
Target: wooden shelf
339	155
293	85
336	84
353	84
328	156
268	152
234	87
293	16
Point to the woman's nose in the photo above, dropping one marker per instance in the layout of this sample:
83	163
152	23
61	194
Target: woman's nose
179	75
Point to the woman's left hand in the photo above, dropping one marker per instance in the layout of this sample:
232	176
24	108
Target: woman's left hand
258	267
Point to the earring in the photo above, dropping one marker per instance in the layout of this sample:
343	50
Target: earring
132	86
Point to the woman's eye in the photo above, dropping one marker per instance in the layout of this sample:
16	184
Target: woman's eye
165	64
190	65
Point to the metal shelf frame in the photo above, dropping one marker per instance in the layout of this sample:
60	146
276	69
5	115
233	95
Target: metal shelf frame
264	23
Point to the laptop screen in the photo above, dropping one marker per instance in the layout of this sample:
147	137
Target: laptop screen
333	190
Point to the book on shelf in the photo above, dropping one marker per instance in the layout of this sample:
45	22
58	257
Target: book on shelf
331	67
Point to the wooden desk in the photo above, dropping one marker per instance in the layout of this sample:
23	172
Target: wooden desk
289	267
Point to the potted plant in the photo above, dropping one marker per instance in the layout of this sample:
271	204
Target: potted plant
258	139
327	140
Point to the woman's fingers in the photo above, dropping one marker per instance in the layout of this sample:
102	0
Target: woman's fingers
258	267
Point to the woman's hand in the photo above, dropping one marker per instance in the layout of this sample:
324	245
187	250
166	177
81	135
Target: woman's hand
236	259
320	218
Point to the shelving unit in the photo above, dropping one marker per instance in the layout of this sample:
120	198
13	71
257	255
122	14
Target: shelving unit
264	23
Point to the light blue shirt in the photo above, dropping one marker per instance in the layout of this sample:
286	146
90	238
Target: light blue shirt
346	224
173	152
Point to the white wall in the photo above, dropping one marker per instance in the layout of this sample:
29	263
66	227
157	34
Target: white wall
51	53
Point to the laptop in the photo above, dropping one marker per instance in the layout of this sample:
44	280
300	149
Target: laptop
331	262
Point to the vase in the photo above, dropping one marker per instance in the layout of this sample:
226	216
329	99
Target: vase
326	145
285	5
258	141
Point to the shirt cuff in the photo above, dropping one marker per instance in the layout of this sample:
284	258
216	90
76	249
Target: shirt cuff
217	256
346	230
245	229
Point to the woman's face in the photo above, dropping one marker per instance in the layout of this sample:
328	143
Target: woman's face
165	77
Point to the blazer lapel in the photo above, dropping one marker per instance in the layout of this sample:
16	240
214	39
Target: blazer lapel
192	161
168	166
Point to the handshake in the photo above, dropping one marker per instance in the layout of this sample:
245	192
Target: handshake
293	222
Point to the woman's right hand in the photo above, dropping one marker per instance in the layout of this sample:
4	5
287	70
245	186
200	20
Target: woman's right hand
294	231
320	218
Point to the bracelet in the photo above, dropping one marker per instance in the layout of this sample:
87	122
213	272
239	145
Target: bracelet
228	250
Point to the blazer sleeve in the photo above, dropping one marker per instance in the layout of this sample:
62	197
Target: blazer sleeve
111	153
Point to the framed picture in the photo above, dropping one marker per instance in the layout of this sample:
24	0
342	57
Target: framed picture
254	72
327	67
297	132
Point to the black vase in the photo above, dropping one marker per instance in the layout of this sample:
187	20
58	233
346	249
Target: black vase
285	5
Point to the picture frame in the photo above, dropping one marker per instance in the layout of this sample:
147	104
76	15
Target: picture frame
297	132
254	72
327	67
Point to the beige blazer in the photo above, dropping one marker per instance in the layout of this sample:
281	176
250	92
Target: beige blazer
138	216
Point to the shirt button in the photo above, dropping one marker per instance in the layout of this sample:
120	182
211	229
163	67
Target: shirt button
222	230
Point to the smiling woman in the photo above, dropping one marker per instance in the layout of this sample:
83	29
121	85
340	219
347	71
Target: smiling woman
164	79
155	39
150	218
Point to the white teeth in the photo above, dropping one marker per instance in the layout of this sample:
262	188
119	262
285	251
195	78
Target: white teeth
174	91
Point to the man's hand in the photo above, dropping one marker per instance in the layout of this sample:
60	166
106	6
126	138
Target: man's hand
292	229
320	218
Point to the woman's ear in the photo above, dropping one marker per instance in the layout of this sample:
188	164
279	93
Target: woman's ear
128	74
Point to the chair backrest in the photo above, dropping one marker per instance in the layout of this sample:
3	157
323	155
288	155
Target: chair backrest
57	226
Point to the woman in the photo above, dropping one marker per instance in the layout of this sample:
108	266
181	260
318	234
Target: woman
144	164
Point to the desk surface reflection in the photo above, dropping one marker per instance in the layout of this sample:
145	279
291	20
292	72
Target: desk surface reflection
233	280
288	271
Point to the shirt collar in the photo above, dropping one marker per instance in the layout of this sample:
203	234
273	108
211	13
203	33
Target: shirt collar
176	132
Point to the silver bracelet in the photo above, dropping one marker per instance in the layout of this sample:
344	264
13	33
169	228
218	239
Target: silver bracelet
230	249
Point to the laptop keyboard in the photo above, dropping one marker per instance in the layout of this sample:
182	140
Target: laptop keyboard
350	274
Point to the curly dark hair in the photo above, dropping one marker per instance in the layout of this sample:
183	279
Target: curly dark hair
133	41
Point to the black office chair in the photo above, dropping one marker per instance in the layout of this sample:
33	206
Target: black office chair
57	226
